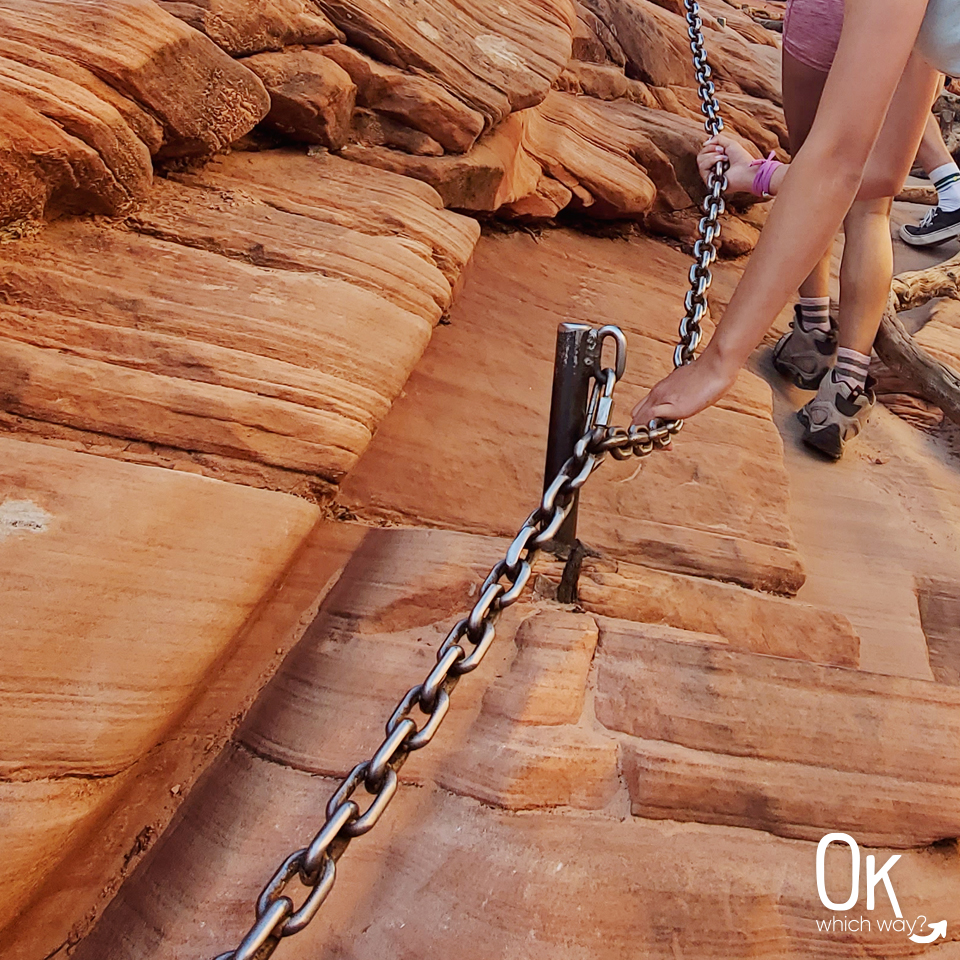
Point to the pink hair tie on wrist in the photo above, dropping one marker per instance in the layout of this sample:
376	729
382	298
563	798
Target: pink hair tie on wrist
761	182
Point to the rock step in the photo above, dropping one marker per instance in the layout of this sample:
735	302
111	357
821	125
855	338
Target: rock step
782	745
442	872
747	620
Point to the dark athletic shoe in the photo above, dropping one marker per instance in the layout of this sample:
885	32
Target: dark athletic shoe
835	415
802	356
937	226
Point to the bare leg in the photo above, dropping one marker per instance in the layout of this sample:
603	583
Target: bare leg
867	266
802	88
865	272
933	152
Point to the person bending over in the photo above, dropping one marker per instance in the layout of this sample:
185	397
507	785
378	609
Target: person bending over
856	98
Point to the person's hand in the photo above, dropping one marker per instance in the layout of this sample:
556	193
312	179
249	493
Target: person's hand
740	174
687	390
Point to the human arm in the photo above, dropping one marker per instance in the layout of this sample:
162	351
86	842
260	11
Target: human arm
741	165
815	193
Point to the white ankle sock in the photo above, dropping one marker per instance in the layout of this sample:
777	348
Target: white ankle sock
946	179
851	368
815	313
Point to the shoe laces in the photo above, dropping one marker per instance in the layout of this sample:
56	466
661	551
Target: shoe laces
929	218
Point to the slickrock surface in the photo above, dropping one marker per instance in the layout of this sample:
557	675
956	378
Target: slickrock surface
145	798
715	505
84	109
560	738
123	590
242	27
328	280
494	59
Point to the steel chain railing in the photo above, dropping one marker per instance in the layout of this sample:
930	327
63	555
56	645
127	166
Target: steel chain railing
314	867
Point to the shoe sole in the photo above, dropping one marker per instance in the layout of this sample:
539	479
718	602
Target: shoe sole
930	239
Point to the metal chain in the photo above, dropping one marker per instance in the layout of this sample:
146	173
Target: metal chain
705	249
314	867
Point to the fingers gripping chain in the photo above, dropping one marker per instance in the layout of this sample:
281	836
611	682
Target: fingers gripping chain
421	710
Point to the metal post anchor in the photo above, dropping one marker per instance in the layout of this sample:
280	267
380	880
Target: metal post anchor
573	371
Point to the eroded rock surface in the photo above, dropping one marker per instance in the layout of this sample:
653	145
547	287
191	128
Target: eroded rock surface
242	27
560	737
328	283
76	102
123	588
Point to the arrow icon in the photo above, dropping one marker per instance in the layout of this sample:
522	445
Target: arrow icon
939	930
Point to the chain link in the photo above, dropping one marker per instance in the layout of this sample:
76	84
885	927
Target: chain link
461	651
314	867
705	249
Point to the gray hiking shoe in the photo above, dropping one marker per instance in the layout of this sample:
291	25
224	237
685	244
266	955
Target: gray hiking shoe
835	415
802	356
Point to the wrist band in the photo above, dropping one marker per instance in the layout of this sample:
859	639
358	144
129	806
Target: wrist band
761	182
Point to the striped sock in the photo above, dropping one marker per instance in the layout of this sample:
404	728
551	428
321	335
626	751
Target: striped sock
815	314
851	368
946	179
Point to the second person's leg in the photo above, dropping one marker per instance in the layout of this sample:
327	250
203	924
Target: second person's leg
806	353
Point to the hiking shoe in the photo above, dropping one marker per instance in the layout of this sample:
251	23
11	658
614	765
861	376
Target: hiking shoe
936	227
803	356
835	415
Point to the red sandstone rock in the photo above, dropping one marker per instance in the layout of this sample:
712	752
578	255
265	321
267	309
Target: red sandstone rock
414	101
475	878
203	99
653	40
715	506
136	806
123	588
373	129
311	97
747	620
569	139
939	603
528	748
242	27
752	753
499	171
140	120
335	317
593	23
493	59
755	68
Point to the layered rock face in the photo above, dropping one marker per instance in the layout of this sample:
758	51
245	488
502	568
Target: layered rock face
276	205
666	780
321	311
526	112
124	590
84	111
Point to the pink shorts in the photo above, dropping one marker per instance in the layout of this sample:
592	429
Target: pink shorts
811	31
